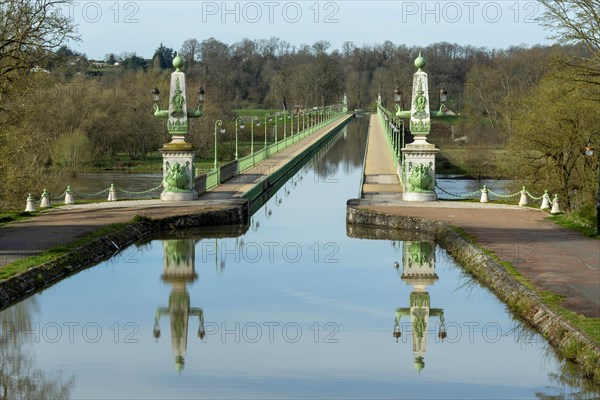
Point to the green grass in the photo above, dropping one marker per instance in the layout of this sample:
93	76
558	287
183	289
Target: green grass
19	266
576	222
11	216
476	161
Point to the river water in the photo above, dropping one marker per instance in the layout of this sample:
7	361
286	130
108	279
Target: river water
292	308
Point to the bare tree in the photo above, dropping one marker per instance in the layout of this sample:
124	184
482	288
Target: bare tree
576	21
29	31
190	51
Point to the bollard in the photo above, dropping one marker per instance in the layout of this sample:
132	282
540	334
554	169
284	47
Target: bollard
112	193
69	196
545	201
523	199
484	195
30	204
45	203
555	206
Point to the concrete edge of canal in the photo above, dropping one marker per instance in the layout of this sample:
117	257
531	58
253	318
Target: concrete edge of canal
27	283
522	301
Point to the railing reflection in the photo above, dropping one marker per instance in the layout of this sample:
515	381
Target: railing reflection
418	270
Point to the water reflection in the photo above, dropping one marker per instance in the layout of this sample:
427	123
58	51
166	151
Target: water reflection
356	294
20	377
179	271
418	270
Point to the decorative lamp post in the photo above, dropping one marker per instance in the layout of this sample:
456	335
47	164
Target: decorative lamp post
443	98
155	95
217	124
399	122
178	154
266	115
241	123
255	118
589	151
276	118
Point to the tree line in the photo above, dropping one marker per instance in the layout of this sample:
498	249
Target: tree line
57	111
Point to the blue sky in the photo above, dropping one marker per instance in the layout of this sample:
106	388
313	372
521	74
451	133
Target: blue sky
140	26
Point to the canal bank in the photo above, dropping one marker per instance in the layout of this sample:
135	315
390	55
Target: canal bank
57	231
227	204
525	301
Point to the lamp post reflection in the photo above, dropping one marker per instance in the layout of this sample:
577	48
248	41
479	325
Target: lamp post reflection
179	271
418	270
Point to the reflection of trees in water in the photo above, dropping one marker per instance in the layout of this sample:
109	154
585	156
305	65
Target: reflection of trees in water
19	376
347	152
569	381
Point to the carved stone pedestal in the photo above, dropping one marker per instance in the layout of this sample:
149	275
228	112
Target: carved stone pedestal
419	172
178	172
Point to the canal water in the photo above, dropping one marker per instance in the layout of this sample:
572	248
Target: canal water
292	308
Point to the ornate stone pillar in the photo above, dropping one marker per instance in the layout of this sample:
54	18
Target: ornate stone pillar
418	171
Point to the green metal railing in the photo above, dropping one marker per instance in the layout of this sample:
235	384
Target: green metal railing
393	128
212	178
252	159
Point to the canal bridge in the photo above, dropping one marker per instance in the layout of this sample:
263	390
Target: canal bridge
553	258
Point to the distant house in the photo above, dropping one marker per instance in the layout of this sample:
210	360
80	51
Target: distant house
99	64
39	69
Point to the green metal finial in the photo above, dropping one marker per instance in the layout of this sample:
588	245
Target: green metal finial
177	62
420	61
419	364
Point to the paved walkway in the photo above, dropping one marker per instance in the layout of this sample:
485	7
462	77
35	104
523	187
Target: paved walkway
380	181
551	257
65	224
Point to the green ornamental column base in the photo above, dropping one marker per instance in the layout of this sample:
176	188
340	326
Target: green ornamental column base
418	173
178	172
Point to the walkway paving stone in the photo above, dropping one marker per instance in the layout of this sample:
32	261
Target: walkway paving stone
380	177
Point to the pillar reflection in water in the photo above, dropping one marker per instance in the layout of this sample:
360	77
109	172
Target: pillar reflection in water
418	270
179	271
